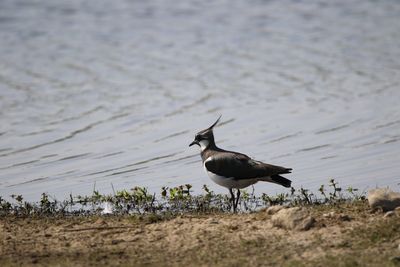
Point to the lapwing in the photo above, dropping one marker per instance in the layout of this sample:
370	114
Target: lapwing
235	170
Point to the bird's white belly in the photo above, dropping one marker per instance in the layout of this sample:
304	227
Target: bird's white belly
230	182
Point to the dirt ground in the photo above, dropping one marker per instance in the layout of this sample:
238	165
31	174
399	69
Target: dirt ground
345	235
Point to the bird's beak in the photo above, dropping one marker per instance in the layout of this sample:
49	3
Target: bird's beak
194	143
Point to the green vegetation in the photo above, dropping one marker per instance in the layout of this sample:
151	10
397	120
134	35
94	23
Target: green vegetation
175	200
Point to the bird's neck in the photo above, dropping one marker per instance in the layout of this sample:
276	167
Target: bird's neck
207	149
207	144
204	144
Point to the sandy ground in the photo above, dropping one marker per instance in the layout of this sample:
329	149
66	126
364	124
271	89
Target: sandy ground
352	235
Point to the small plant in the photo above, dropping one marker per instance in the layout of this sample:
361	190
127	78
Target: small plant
336	194
354	193
181	192
5	206
306	197
209	193
322	191
279	199
164	191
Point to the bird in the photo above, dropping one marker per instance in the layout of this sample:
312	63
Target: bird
235	170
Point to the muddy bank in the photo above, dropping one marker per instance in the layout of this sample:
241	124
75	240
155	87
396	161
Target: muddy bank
342	235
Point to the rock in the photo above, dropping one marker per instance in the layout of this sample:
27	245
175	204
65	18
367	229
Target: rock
344	218
212	221
389	214
233	227
383	198
329	214
340	217
116	241
293	219
274	209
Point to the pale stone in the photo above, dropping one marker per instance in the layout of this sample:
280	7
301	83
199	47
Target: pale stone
329	214
389	214
293	219
274	209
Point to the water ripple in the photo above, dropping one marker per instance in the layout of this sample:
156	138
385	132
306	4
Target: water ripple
69	136
332	129
313	148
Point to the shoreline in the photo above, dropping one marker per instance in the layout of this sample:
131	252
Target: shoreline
344	234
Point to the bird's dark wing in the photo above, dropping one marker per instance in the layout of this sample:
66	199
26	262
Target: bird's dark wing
240	166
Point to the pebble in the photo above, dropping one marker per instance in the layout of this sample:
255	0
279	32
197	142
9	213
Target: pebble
213	221
116	241
389	214
344	217
329	214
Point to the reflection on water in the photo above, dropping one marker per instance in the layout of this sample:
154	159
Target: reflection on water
101	93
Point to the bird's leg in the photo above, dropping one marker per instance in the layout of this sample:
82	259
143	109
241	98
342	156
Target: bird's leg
232	199
237	198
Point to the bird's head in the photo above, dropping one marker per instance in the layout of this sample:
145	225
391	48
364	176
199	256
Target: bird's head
205	137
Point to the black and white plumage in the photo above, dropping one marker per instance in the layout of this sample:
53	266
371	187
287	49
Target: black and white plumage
235	170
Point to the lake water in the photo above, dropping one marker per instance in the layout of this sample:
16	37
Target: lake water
101	93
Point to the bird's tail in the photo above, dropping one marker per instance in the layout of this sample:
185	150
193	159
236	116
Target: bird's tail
281	180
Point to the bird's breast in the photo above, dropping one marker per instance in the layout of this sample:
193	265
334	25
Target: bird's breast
229	182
